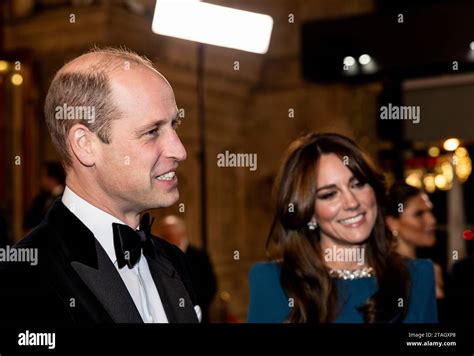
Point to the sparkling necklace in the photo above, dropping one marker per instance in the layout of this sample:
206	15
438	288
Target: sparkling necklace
365	272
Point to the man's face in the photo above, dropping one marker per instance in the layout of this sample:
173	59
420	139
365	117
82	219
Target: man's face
137	168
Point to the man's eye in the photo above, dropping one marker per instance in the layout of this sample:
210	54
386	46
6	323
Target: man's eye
152	133
176	123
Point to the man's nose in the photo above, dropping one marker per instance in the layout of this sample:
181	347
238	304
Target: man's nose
175	148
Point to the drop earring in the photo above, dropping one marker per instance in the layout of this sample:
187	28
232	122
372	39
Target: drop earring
313	224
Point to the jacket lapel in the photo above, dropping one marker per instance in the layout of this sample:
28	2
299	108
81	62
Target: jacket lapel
108	287
90	261
174	296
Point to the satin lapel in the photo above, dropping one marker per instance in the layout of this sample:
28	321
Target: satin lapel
107	285
174	296
90	261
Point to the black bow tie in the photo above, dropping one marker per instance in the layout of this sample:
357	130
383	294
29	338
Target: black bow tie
129	243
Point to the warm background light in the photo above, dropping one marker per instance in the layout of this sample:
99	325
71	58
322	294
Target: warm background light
433	151
3	66
429	182
17	79
451	144
463	166
440	182
414	179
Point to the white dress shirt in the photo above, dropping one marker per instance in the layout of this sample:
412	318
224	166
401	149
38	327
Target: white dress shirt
138	280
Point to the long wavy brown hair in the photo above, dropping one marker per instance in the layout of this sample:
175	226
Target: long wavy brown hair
304	275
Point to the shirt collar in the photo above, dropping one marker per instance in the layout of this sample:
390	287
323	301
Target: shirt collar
95	219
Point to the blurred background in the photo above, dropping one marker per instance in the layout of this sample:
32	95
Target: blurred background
331	65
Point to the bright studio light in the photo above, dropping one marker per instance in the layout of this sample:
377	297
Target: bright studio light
471	46
217	25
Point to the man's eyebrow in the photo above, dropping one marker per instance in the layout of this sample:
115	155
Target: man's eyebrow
175	118
149	126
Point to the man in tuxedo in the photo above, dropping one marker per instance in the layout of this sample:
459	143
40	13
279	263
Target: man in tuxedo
112	117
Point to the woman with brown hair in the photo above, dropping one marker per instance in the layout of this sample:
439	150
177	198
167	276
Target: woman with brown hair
335	261
410	219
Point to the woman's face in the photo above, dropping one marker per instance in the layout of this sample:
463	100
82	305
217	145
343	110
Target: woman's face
345	208
416	224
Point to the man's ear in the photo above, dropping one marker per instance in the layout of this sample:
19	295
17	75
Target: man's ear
81	141
392	223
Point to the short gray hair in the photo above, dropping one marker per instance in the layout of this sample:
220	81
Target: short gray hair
88	87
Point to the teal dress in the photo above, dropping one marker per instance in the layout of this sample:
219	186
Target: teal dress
270	304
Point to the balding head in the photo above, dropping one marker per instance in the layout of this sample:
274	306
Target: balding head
81	92
107	60
113	118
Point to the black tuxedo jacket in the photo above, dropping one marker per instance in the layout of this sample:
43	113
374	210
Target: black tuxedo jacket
203	279
76	282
